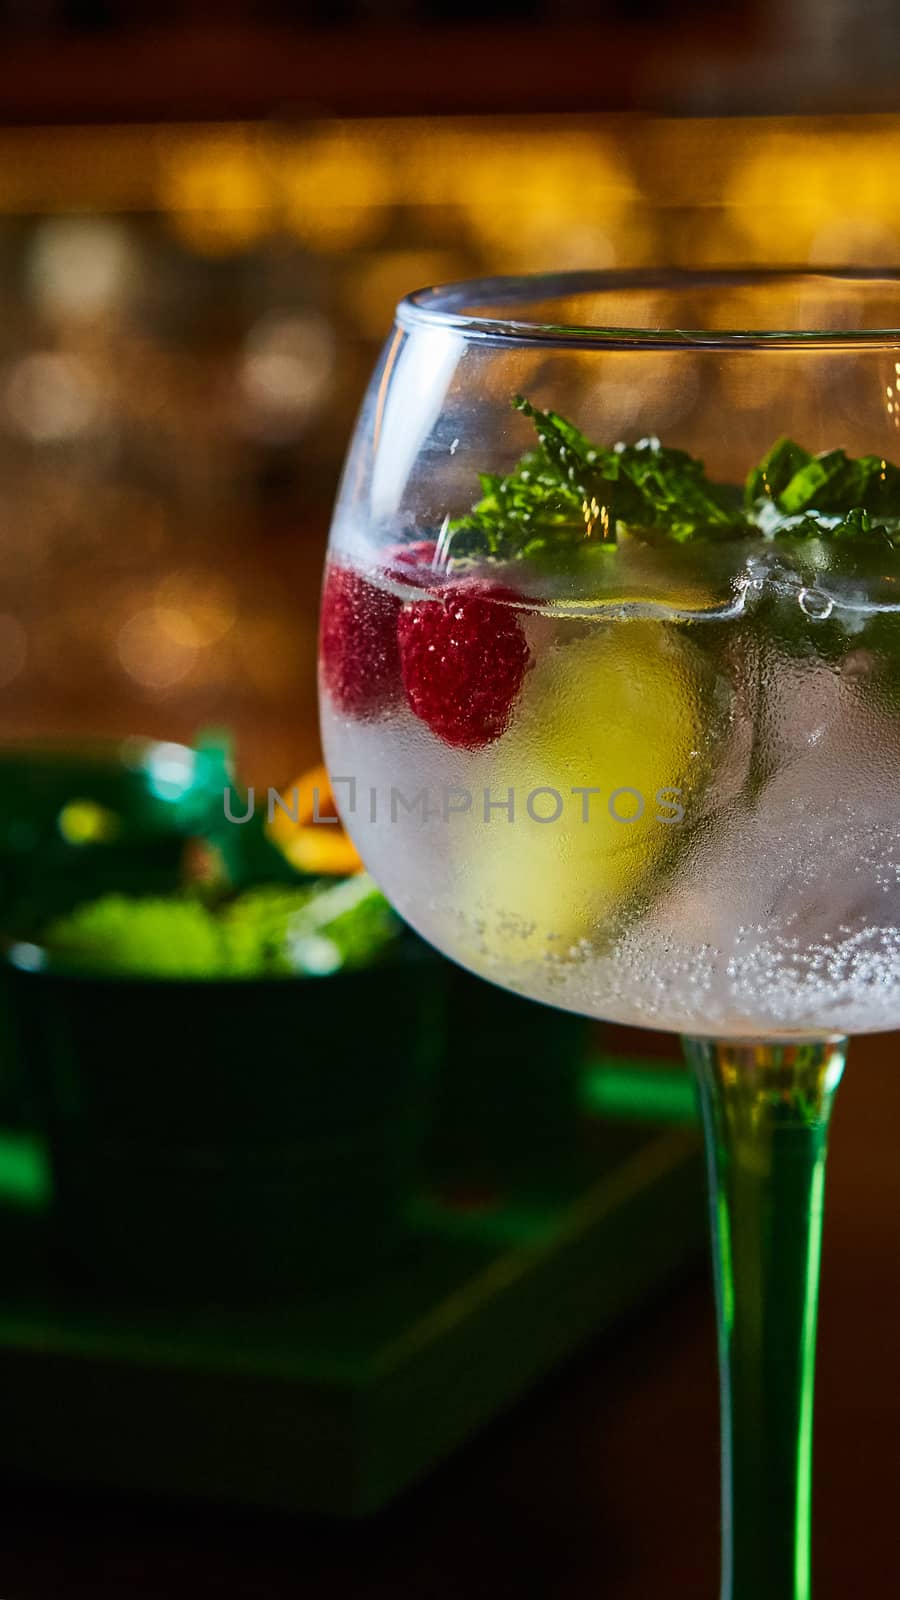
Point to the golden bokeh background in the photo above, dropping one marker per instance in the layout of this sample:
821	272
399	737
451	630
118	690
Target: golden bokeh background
190	315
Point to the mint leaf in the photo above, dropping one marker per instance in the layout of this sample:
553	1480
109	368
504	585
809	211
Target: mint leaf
642	485
858	524
795	484
568	490
530	501
543	495
675	494
775	471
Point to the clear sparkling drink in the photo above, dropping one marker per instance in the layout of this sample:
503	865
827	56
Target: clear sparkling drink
677	813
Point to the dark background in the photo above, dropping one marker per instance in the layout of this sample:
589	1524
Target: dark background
603	1483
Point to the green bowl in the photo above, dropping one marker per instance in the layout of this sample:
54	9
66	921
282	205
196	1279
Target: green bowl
81	818
84	814
88	809
218	1136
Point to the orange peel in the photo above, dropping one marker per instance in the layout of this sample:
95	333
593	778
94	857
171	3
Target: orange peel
316	842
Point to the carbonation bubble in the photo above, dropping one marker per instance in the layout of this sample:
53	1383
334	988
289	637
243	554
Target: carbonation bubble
817	605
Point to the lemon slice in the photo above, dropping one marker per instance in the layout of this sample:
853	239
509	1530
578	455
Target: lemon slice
602	756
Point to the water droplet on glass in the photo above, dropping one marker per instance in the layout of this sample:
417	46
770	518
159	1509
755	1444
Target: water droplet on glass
816	605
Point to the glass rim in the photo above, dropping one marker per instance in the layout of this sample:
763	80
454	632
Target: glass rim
443	306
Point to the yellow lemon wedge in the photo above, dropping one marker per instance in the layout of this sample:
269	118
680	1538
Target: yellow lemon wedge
601	758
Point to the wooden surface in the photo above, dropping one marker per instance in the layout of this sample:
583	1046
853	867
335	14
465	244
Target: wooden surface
603	1483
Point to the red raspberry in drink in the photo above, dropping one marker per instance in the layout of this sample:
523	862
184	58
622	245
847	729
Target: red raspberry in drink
463	656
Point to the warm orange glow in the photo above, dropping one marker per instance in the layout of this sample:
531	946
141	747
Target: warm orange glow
196	608
528	192
316	842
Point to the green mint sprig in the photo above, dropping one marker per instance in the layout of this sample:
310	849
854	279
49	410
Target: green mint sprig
571	489
644	485
832	484
568	489
830	495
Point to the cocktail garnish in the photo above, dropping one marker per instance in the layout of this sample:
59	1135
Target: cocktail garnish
569	489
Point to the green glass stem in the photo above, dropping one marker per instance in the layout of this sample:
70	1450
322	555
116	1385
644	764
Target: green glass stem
766	1109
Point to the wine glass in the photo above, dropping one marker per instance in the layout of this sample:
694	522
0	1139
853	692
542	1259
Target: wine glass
610	692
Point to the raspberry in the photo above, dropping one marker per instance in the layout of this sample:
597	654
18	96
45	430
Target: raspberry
418	555
358	647
463	657
360	660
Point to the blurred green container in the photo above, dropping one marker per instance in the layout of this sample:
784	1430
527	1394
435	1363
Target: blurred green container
222	1137
78	817
101	811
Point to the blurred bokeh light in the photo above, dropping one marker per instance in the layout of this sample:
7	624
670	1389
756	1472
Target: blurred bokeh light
191	312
